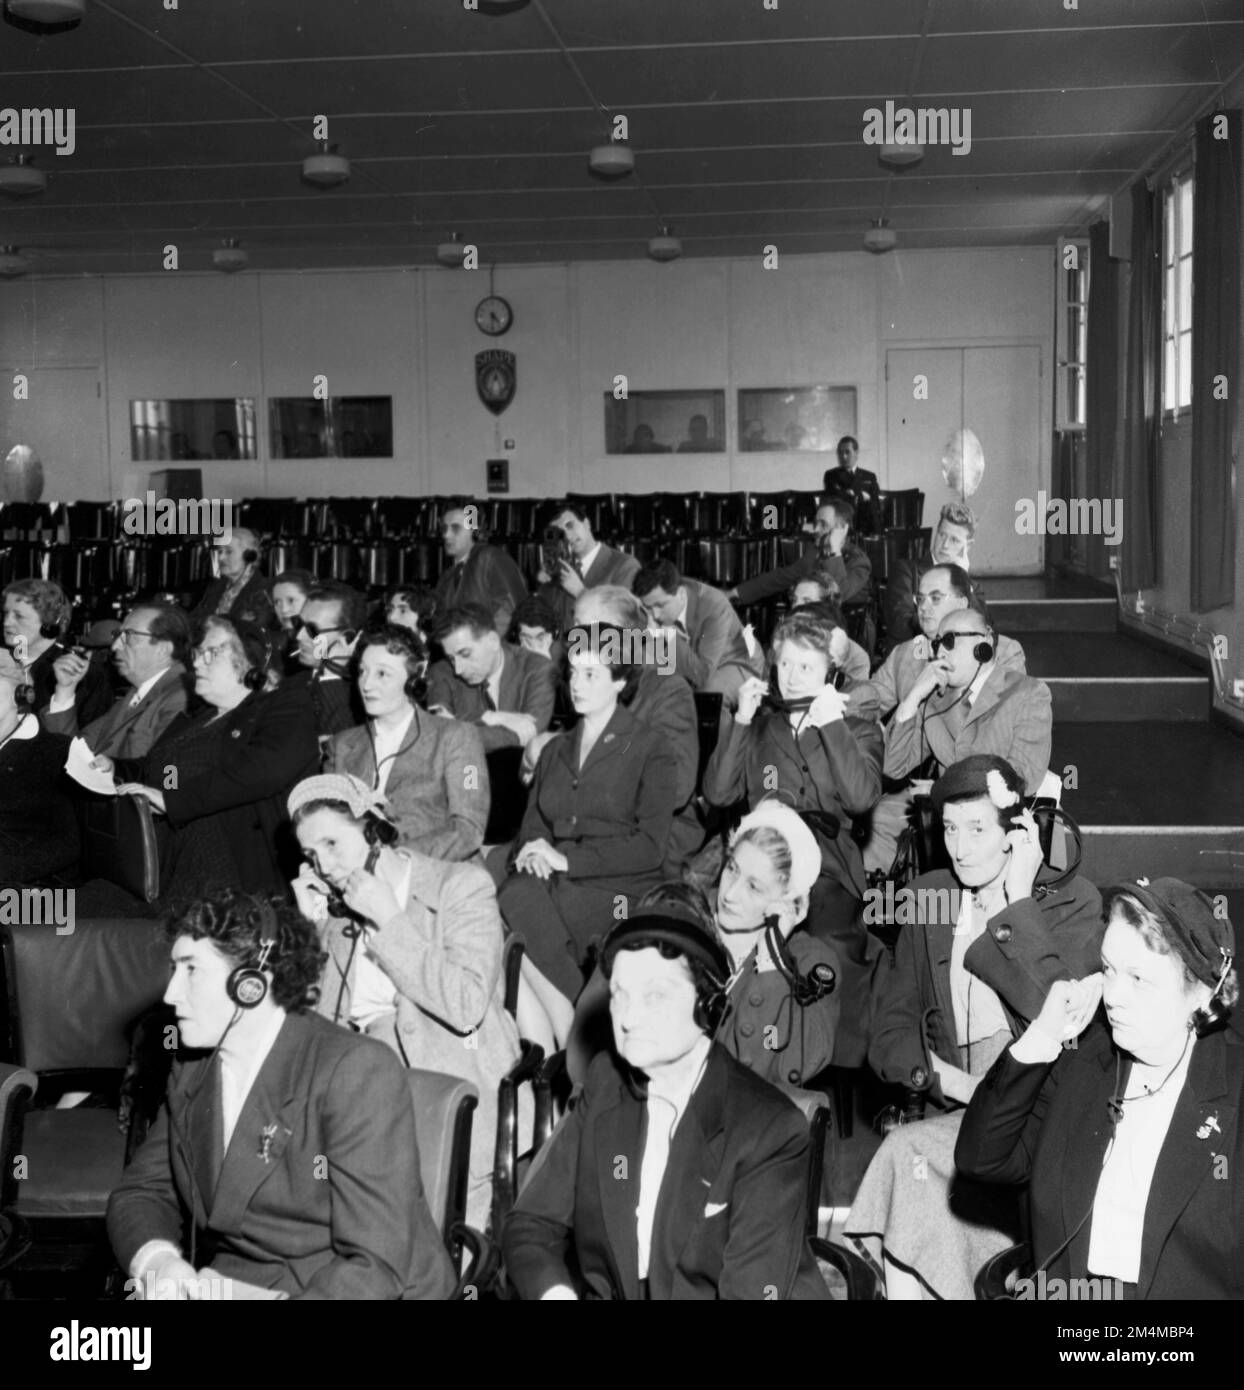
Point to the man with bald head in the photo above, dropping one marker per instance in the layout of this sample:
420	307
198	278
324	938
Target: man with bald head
240	592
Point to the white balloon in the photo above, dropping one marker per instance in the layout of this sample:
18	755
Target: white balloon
963	463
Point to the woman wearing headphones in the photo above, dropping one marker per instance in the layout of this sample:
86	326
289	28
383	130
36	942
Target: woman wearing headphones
36	618
38	829
978	947
432	771
678	1174
1128	1136
220	776
425	974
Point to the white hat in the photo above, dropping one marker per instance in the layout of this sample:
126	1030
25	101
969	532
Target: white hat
805	852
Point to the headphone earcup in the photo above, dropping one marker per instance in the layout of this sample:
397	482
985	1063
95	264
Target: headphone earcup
983	652
247	986
1210	1018
255	679
24	696
250	556
49	630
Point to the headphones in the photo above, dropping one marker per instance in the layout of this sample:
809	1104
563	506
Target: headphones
257	676
247	985
982	652
711	995
399	640
24	696
817	984
1214	1013
250	556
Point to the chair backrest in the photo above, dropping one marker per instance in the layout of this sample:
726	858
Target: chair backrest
119	844
903	511
69	1000
511	971
509	796
443	1111
708	725
16	1084
815	1109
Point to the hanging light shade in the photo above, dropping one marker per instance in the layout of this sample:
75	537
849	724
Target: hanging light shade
230	257
12	263
880	237
450	253
665	247
900	156
20	178
326	168
44	16
612	161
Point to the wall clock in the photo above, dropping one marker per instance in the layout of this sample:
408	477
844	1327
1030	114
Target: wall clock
493	315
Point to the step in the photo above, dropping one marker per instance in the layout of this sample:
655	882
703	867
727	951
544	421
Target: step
1103	700
1017	616
1207	856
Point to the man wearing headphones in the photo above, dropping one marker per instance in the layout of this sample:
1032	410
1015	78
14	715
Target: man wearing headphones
240	591
284	1163
965	702
328	629
678	1174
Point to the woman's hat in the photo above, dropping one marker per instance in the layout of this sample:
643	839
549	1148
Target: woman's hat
1203	939
982	774
339	786
805	852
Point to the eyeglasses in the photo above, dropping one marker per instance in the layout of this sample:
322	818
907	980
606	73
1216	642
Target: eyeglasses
937	596
207	655
127	634
947	639
312	629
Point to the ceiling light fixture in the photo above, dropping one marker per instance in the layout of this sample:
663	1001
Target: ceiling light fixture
665	247
880	237
326	168
900	156
450	253
44	16
20	178
612	161
230	256
12	263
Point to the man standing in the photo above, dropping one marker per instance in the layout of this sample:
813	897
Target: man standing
679	1174
951	545
591	563
151	651
506	691
710	649
833	552
240	592
857	485
286	1146
329	627
478	572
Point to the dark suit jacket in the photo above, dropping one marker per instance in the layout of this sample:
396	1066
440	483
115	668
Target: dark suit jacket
731	1210
528	686
860	488
713	655
252	605
337	1211
269	745
899	598
836	768
1048	1124
123	733
489	577
609	567
852	569
91	698
438	788
336	701
1057	937
38	829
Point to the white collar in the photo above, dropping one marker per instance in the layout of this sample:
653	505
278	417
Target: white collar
27	727
247	1064
148	685
590	558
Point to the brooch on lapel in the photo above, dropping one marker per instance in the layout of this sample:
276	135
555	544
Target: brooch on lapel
608	738
265	1142
235	733
1210	1125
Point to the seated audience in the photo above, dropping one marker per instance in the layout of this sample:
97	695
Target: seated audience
1124	1135
478	572
240	591
220	776
412	606
535	628
951	545
988	939
289	592
36	619
38	829
821	589
678	1174
432	771
964	701
591	563
833	553
425	976
944	589
329	626
819	749
710	649
151	652
857	485
336	1210
507	693
594	835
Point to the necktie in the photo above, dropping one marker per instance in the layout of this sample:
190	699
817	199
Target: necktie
489	702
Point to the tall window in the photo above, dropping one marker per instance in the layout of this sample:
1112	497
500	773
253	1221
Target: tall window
1072	333
1177	294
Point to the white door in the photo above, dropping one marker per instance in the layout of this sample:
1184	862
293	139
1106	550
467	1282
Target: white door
62	419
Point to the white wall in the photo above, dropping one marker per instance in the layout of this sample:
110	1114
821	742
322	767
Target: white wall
410	333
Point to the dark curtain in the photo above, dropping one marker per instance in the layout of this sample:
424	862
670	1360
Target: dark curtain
1216	253
1142	407
1102	378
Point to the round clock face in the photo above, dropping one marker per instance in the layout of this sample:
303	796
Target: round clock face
493	315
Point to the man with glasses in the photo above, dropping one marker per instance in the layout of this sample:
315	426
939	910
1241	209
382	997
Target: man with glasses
965	702
328	630
943	590
151	653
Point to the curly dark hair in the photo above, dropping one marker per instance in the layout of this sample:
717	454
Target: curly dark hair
234	922
410	646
